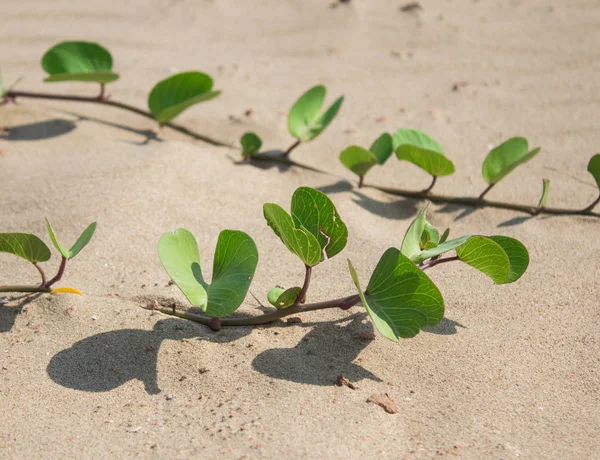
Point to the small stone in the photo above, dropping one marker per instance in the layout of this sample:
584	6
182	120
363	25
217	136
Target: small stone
169	397
385	402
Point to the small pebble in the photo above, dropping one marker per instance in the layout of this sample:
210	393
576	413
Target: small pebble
169	397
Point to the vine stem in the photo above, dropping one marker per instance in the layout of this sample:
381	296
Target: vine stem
291	147
484	193
59	274
104	100
344	303
593	205
428	189
302	295
41	273
434	262
24	289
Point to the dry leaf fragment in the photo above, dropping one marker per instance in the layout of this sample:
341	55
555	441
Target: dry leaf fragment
385	402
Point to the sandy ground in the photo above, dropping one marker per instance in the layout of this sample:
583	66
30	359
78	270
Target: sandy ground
510	372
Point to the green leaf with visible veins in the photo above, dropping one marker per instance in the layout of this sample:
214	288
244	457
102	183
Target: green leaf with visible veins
358	160
25	245
518	257
283	298
487	256
315	212
506	157
594	168
305	120
81	242
78	61
179	92
234	265
423	151
400	299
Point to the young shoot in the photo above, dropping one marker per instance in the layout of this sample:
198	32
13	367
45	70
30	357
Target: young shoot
400	298
360	161
34	250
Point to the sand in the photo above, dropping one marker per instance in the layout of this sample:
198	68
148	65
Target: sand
511	371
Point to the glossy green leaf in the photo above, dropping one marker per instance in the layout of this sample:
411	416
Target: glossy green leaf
411	244
430	237
423	151
81	242
283	298
400	299
441	249
305	120
234	265
175	94
518	256
314	211
358	160
382	148
298	240
251	144
487	256
24	245
545	193
78	61
594	168
506	157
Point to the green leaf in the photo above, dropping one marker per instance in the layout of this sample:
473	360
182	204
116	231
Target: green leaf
298	240
78	61
283	298
24	245
423	151
594	168
506	157
382	148
314	211
487	256
175	94
81	242
358	160
400	299
430	237
251	144
518	256
411	246
305	120
234	265
545	193
445	236
441	249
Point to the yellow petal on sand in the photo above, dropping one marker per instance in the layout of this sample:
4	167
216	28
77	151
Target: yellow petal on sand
69	290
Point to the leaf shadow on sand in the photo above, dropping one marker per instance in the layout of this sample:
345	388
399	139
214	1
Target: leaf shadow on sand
37	131
106	361
10	308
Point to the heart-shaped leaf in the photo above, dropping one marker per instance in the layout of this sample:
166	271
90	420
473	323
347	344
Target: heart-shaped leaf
518	257
305	120
506	157
423	151
487	256
594	168
315	212
81	242
400	299
283	298
25	245
78	61
382	148
175	94
358	160
251	144
234	264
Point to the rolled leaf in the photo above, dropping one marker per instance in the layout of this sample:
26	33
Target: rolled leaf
545	193
506	157
78	61
358	160
234	265
594	168
305	120
251	144
177	93
400	299
423	151
25	245
81	242
283	298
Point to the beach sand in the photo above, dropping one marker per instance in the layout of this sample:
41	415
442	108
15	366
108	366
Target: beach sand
511	371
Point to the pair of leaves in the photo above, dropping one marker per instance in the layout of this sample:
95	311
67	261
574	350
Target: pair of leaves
34	250
423	151
234	265
313	231
400	299
507	156
78	61
422	241
360	161
282	298
251	144
305	120
177	93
